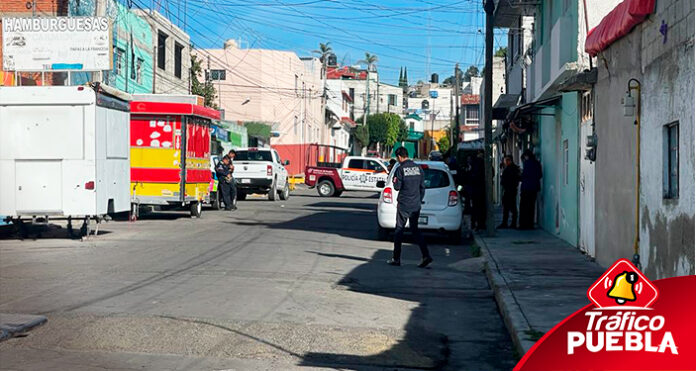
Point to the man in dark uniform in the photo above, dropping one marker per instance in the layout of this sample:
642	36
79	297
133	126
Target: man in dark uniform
509	180
233	183
224	174
409	181
531	184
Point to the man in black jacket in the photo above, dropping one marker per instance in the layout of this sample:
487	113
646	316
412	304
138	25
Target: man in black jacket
409	180
531	176
224	174
509	180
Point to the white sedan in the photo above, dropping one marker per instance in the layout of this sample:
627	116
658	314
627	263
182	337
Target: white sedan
441	209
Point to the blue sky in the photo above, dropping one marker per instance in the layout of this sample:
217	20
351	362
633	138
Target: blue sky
398	32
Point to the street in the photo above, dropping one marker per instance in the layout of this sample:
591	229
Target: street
272	286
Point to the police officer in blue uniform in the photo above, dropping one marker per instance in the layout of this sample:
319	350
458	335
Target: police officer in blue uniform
409	180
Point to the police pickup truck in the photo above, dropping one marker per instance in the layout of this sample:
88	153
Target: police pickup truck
354	174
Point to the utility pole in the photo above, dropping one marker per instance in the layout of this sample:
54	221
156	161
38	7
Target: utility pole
489	7
378	96
99	11
457	106
366	103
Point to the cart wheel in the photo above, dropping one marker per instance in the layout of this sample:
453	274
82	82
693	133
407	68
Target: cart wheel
196	209
134	212
216	201
285	194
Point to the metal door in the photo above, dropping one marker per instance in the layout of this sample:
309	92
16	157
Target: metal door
38	187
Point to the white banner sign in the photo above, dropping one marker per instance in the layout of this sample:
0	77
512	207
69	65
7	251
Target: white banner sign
56	43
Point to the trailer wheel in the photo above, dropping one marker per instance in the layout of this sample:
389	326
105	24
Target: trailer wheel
196	209
134	212
85	229
285	193
326	188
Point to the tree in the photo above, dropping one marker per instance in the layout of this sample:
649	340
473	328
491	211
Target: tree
362	135
444	144
370	60
501	52
205	89
386	129
448	81
324	51
472	71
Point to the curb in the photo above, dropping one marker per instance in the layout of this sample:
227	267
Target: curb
13	324
509	309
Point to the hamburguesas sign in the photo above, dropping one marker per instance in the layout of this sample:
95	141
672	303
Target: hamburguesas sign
632	324
56	43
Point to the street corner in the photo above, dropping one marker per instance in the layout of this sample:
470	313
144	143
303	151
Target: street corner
13	324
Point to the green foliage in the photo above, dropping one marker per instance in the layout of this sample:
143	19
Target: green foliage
362	135
324	51
444	144
386	128
472	71
258	129
370	60
205	89
501	52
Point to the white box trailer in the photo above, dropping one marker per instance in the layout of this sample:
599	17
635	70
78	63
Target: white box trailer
64	152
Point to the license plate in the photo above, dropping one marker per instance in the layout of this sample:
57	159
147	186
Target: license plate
246	181
422	220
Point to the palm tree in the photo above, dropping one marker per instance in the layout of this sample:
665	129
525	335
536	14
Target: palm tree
370	60
324	51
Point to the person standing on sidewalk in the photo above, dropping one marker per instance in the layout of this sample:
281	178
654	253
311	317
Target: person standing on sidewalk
531	176
409	181
509	180
233	184
224	174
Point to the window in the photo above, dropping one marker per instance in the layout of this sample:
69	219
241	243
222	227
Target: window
472	112
132	64
162	50
356	164
351	92
435	179
296	85
670	172
253	156
217	75
565	162
392	99
139	70
586	106
178	51
373	165
120	54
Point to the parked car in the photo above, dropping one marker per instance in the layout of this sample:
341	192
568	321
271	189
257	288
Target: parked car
355	173
435	156
441	209
260	170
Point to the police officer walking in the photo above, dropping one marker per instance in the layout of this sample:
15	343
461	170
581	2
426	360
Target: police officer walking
224	174
409	181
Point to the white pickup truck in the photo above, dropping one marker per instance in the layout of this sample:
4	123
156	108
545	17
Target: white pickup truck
354	174
260	170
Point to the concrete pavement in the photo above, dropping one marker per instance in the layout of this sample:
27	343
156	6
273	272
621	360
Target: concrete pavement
275	285
538	280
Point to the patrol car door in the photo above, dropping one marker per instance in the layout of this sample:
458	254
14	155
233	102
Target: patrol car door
350	176
377	172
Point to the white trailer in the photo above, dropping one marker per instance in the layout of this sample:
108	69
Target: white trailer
64	153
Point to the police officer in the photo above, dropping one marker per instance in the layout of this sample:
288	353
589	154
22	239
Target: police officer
224	174
233	184
409	181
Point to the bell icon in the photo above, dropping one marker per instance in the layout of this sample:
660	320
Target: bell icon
622	289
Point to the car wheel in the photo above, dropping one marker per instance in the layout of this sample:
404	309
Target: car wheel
285	193
382	233
273	192
196	209
326	188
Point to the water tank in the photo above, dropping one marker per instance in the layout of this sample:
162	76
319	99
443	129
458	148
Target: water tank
332	60
434	78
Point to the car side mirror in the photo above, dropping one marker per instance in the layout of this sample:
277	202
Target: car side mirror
381	184
286	163
453	172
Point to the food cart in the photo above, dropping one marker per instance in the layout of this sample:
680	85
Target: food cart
170	152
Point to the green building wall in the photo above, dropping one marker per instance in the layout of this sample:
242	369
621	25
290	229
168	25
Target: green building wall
133	36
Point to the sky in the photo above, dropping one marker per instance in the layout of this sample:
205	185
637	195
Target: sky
401	33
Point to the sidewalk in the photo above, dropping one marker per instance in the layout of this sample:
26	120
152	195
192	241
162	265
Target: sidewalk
538	281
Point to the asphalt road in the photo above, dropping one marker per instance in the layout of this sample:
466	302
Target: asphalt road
273	286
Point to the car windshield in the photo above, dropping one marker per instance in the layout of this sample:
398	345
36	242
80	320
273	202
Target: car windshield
434	178
253	156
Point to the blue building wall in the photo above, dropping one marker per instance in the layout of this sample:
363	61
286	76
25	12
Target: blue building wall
559	154
132	36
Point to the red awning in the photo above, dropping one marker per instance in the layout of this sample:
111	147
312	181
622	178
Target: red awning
347	96
470	99
165	108
617	24
347	120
